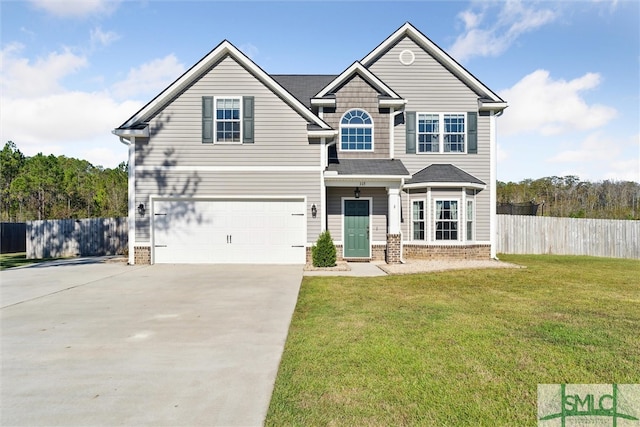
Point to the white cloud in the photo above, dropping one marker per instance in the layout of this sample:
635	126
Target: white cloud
601	156
150	78
103	38
40	115
596	147
250	50
550	107
76	8
513	20
25	78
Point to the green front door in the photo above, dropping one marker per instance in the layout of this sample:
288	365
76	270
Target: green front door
356	229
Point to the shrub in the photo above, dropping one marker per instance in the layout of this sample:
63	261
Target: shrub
323	253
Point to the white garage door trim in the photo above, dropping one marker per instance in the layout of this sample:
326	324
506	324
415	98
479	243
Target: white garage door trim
239	250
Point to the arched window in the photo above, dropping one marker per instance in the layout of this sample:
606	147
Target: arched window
356	131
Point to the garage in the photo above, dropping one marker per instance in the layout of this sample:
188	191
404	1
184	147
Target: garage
221	231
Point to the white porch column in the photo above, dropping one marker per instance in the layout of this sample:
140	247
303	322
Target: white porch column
132	199
394	210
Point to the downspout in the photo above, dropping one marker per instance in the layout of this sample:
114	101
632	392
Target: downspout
492	179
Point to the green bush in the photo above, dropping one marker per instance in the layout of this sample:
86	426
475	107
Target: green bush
323	253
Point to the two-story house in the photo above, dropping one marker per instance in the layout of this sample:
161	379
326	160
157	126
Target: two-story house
395	156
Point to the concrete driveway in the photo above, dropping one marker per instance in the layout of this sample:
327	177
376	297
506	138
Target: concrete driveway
164	345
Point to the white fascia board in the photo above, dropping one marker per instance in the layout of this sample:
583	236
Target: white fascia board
409	30
357	67
223	49
392	102
357	180
128	133
491	106
323	102
446	185
323	133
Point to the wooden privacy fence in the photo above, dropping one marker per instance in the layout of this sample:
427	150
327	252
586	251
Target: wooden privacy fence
76	237
612	238
13	237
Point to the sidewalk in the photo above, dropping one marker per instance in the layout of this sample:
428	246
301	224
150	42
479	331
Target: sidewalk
360	269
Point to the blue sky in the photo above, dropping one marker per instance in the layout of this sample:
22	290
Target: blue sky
71	71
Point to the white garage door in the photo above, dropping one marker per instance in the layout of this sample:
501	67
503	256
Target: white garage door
229	231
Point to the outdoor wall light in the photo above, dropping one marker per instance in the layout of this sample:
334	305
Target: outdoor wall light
141	209
314	211
356	192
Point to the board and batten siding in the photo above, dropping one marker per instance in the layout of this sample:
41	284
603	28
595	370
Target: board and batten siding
379	209
176	131
204	184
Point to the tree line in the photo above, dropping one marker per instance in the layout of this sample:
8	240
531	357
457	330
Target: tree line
50	187
568	196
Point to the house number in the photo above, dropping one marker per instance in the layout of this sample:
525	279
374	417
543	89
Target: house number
363	183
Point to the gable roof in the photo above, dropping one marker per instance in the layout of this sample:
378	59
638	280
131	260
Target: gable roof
442	175
488	98
366	74
218	53
303	87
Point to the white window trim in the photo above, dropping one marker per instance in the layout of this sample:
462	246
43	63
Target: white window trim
425	220
441	133
472	200
434	220
215	120
356	126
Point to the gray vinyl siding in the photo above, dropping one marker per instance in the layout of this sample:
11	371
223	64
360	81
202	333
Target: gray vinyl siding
430	87
357	93
379	211
235	184
280	132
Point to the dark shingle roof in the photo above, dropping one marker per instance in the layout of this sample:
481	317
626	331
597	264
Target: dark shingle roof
303	87
368	167
443	173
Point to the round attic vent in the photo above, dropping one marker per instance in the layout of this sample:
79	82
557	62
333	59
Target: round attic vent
407	57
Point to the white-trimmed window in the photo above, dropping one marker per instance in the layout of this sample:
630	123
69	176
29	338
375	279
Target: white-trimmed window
418	219
356	131
228	119
441	133
470	220
446	223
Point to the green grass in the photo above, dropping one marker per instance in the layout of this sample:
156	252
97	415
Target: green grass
18	259
456	348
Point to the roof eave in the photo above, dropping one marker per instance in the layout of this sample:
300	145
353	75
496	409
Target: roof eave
323	102
473	185
322	133
354	68
485	105
128	133
392	102
409	30
330	176
223	49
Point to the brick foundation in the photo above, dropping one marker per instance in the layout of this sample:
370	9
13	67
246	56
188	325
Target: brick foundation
393	249
141	255
447	252
378	253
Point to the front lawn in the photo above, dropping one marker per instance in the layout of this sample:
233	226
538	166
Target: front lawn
456	348
18	259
